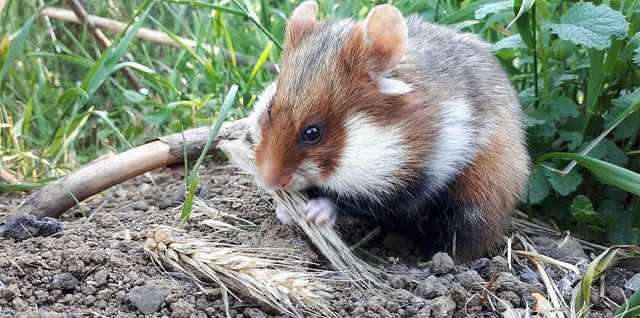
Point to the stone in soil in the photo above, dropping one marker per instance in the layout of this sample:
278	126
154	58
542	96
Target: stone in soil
24	226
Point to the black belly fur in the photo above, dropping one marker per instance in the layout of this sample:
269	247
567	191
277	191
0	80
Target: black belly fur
431	221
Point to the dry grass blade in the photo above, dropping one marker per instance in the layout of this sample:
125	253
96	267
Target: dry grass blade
276	282
215	214
323	236
554	305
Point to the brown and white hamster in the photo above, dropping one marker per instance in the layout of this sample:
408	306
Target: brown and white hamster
397	121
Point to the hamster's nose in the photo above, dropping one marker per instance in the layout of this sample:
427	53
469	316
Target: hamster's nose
271	177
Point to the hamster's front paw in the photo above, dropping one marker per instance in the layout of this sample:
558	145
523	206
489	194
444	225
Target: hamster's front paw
283	215
320	210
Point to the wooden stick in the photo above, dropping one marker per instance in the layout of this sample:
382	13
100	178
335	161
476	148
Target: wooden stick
155	36
56	198
6	177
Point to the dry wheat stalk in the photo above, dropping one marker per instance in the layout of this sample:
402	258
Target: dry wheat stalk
323	236
277	282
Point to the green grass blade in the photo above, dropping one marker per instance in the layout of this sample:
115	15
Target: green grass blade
193	178
263	58
147	73
224	110
15	46
214	77
64	137
594	82
631	308
618	176
248	10
105	117
198	4
106	64
604	261
464	14
188	200
27	117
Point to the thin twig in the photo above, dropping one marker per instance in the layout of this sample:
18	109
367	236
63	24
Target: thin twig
156	36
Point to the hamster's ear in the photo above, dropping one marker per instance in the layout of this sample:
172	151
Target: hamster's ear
301	24
385	36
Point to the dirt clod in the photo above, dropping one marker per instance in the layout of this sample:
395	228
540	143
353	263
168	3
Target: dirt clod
24	226
64	281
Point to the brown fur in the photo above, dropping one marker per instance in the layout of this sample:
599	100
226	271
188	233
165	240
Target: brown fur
331	71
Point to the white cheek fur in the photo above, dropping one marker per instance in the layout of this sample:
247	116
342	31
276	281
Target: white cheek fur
371	158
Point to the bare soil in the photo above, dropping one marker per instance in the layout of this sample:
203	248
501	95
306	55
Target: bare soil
97	267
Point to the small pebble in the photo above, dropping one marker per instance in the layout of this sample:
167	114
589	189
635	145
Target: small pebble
147	299
442	263
140	206
633	283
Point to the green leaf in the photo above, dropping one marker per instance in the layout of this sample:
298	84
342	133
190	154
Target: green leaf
595	79
538	187
591	26
192	186
582	209
193	178
562	107
523	7
523	21
224	110
564	184
631	308
531	121
511	42
612	153
492	8
541	123
636	56
631	49
618	176
628	126
573	138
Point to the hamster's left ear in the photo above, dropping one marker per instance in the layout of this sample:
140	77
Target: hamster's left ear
385	38
301	23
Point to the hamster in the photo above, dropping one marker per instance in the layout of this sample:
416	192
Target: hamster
398	122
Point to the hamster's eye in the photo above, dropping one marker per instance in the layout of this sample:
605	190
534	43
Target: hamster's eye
269	111
311	135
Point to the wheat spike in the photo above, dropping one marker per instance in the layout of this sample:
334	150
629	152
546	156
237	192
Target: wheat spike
276	282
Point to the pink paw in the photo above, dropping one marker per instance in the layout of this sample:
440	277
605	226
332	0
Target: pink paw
283	215
320	210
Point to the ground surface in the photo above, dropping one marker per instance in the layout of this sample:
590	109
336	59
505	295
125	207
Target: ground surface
97	267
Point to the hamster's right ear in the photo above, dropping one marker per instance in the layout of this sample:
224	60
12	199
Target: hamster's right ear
385	36
301	24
